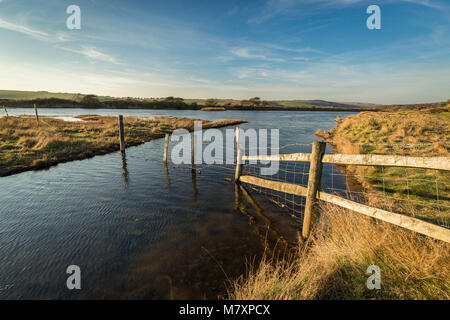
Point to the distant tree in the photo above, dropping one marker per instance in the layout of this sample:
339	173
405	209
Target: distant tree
174	99
255	101
90	100
211	102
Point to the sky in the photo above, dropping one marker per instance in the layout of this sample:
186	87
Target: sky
273	49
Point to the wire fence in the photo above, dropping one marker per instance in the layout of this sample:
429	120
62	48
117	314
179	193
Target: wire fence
421	193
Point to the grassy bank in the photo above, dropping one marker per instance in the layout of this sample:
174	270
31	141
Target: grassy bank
333	264
24	145
408	132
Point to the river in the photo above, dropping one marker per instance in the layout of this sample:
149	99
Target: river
138	229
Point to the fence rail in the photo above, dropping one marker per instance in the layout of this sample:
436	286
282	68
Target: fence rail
313	193
438	163
397	219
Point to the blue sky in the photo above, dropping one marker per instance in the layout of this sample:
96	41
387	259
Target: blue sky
274	49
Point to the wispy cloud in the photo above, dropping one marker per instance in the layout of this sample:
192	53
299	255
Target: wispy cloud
273	8
426	3
24	29
95	54
53	37
247	53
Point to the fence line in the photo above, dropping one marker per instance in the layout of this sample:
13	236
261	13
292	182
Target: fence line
411	223
296	190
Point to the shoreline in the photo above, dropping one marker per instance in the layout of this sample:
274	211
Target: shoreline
90	147
12	105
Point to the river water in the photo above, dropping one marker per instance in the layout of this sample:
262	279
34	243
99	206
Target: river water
138	229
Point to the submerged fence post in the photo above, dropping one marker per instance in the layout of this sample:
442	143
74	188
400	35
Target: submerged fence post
315	174
166	146
121	134
238	172
6	111
36	114
193	142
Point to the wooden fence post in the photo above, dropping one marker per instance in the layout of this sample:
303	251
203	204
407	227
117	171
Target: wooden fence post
315	174
238	171
36	114
121	134
193	151
166	146
6	111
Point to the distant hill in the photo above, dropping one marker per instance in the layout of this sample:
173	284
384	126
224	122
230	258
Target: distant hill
22	95
29	95
322	103
295	103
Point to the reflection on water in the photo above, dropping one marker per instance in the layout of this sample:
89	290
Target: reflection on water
138	228
240	193
124	168
194	183
166	171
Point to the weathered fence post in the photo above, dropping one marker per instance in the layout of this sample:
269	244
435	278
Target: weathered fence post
166	146
121	134
237	174
6	111
36	114
193	151
315	174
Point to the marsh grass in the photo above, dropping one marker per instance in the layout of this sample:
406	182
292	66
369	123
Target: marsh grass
333	264
24	145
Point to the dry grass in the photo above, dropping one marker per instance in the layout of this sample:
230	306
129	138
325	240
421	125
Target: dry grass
333	264
25	146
